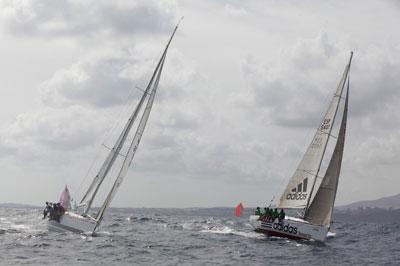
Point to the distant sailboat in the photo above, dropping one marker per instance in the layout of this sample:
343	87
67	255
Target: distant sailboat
83	222
315	218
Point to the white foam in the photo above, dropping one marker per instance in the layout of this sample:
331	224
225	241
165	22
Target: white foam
330	234
228	230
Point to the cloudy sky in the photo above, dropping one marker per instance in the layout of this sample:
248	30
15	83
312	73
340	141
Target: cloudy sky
244	86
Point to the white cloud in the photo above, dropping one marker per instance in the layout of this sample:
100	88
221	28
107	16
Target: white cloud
235	11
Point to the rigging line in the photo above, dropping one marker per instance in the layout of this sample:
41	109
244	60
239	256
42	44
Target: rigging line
129	102
142	90
105	137
111	149
327	133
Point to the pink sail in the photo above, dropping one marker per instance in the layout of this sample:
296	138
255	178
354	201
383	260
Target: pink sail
65	198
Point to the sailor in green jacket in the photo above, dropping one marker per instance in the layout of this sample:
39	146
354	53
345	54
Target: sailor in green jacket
281	215
276	214
258	211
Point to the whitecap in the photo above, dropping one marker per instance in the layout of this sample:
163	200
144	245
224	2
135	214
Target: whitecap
331	234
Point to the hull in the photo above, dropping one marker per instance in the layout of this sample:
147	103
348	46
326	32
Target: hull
289	227
71	222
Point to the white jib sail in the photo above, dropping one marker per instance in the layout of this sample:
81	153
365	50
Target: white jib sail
299	190
320	210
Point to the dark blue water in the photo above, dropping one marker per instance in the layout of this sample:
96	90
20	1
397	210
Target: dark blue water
187	237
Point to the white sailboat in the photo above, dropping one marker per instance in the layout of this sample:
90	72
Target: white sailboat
83	222
315	209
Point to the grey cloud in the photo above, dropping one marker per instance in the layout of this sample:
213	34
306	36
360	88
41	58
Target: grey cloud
297	90
107	79
41	135
97	82
49	18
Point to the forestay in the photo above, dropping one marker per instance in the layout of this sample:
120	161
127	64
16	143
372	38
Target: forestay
299	190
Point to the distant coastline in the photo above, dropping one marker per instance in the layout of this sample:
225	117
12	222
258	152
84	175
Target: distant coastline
383	210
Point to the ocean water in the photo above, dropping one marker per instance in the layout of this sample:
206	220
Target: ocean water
188	237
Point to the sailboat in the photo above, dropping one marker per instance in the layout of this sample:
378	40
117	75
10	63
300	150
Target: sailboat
314	210
83	221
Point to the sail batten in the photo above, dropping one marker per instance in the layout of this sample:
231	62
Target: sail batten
310	164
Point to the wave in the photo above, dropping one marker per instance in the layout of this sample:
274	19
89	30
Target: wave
230	231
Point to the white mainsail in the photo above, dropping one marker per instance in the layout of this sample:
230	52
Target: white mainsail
90	194
134	145
320	210
298	192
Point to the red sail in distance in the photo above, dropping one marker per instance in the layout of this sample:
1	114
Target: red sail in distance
239	209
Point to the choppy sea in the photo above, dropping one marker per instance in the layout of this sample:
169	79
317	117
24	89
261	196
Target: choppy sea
195	236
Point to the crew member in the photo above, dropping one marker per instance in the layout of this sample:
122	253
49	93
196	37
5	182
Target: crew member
281	215
46	210
276	214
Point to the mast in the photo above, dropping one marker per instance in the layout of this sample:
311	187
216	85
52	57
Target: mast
138	135
108	163
330	129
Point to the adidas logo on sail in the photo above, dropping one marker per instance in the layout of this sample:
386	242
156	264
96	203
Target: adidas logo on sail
299	192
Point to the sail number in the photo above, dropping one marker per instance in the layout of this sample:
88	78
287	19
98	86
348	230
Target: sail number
326	124
296	196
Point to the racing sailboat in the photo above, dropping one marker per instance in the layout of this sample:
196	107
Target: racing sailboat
314	209
83	221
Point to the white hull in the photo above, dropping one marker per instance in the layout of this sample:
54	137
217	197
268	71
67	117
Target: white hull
290	228
71	222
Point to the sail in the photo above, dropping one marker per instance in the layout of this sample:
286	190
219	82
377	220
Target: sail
65	198
115	151
320	210
132	149
239	210
138	135
299	190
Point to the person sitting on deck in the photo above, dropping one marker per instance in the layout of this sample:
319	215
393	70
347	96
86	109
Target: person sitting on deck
266	212
51	211
46	210
61	209
276	214
55	214
258	211
281	215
